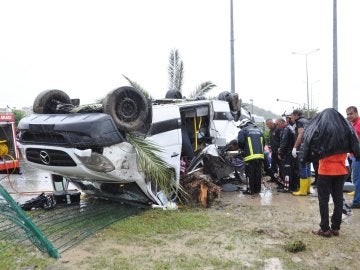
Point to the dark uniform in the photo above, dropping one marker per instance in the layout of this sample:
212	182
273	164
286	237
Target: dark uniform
276	166
289	164
251	141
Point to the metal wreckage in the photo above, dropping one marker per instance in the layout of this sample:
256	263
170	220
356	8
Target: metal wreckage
133	148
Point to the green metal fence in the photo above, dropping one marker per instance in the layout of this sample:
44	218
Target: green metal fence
61	228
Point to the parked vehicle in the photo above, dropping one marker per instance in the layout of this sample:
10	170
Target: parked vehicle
9	154
91	148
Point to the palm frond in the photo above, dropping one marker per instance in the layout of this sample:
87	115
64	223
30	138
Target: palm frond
138	87
94	107
212	97
202	89
175	70
152	165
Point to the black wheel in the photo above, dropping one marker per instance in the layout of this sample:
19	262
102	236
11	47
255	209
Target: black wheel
174	94
128	107
47	101
224	96
234	103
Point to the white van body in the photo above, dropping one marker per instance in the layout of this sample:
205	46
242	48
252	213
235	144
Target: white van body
88	150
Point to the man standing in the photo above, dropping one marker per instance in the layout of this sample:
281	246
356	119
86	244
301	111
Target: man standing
304	169
328	138
353	117
289	164
251	141
275	133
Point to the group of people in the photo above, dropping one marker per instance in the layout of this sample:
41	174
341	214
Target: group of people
295	142
284	143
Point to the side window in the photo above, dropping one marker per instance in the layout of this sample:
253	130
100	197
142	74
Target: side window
196	124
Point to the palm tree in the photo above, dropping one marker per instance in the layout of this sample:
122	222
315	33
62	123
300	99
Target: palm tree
176	76
202	89
152	165
175	71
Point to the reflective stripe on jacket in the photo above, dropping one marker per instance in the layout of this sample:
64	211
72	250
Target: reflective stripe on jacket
251	140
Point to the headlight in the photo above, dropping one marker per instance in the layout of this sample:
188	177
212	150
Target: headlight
97	162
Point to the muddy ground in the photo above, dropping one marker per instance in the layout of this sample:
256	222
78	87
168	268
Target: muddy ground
237	232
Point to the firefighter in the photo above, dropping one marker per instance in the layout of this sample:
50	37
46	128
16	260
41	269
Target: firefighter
251	141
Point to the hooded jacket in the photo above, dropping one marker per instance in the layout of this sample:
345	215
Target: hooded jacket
327	134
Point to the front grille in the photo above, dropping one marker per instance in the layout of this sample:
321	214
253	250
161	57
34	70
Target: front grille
43	138
55	157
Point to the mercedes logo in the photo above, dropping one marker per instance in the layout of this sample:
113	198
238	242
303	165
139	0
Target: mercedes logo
45	157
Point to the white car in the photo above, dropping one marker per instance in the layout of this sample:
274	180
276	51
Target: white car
90	149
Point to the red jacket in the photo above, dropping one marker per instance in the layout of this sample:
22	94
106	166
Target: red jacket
356	126
333	165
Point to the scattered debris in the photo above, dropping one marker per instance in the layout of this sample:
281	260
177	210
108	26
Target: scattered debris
346	209
67	196
295	246
42	201
200	188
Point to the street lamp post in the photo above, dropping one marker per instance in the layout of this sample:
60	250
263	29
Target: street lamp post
289	102
311	94
335	57
252	106
307	77
232	57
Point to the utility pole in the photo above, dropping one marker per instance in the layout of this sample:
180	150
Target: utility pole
335	60
232	59
307	78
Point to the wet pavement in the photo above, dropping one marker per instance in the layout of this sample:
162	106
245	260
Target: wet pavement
29	183
32	182
268	196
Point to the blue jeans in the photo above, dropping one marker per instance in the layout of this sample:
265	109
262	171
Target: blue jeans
304	171
355	167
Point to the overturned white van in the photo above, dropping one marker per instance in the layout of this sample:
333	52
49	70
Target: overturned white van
91	148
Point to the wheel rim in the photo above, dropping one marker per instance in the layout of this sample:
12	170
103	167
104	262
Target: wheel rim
127	110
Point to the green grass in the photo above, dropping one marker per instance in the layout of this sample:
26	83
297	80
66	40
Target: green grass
22	257
245	237
157	222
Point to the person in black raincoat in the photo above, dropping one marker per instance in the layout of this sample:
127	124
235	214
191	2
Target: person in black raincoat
329	137
275	136
289	164
251	140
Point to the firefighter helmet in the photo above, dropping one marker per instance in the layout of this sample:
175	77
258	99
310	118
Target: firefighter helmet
244	122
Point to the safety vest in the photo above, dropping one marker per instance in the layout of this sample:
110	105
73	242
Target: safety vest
251	140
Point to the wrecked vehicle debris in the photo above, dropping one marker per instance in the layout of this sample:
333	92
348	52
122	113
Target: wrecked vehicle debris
45	201
98	148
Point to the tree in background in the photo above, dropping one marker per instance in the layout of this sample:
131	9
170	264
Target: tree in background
18	114
175	71
176	76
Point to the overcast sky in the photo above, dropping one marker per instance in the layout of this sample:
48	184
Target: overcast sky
84	47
